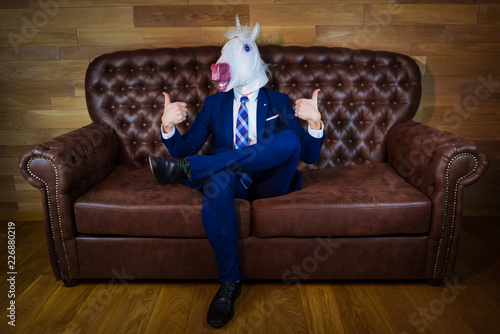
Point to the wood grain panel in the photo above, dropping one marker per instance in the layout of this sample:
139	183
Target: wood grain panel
72	103
363	35
283	15
268	35
56	119
472	34
189	16
66	18
404	48
10	19
109	3
25	102
226	2
489	14
29	137
108	36
453	84
298	2
463	66
455	49
92	51
19	38
43	70
11	120
439	99
30	53
15	4
421	14
31	89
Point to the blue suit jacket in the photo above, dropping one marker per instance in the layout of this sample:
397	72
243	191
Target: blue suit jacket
216	118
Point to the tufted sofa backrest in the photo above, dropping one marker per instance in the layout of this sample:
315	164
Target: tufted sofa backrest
363	94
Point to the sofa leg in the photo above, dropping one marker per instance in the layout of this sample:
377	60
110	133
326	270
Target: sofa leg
435	282
69	283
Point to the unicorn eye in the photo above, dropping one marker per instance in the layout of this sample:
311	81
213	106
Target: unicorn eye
247	47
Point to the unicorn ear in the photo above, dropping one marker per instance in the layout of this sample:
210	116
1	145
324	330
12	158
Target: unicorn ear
255	31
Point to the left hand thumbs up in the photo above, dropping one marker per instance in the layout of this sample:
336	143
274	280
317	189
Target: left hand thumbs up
307	109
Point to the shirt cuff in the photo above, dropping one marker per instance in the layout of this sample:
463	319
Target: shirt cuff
316	133
167	136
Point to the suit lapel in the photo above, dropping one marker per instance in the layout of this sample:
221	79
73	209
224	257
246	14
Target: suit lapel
262	108
227	118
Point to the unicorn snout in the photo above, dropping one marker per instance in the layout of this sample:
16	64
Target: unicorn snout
221	74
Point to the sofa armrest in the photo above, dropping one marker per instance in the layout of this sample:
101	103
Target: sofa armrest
63	169
439	164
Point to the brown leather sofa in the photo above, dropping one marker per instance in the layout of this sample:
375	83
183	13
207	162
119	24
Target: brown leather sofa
384	201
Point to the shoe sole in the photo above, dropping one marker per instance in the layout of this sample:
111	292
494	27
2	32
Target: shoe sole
150	158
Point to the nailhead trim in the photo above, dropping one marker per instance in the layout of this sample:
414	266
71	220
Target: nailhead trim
50	213
454	210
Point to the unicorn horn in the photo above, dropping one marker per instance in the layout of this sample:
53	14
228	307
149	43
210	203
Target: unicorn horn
238	25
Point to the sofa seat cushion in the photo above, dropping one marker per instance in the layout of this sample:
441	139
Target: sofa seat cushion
130	202
360	200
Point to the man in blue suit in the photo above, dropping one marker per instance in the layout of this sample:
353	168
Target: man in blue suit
257	143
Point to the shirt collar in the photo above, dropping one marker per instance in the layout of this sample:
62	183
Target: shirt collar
252	97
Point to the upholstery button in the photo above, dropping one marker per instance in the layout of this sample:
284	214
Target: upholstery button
123	124
339	122
317	84
154	106
110	70
143	88
123	88
153	69
362	84
133	107
351	104
373	66
187	124
339	84
328	102
112	107
143	124
395	102
293	85
165	88
282	66
134	142
305	65
197	67
351	66
373	103
154	142
131	70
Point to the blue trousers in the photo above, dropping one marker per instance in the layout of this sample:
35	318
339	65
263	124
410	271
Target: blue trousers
272	163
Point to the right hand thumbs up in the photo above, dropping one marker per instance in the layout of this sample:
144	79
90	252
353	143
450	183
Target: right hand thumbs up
174	113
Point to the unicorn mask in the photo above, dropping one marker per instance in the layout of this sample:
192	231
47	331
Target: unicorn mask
240	66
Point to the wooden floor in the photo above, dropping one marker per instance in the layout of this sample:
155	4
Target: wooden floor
470	303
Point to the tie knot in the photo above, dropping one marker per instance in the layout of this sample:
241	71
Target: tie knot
244	99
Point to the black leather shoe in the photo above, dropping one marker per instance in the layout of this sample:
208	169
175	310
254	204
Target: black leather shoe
169	170
222	307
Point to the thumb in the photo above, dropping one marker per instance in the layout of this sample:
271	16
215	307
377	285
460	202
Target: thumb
315	95
167	98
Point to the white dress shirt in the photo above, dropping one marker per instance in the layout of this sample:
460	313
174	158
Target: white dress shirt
252	119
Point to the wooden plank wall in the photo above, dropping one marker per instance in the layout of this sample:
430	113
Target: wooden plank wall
46	46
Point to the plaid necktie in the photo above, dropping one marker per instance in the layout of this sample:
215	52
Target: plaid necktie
241	139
